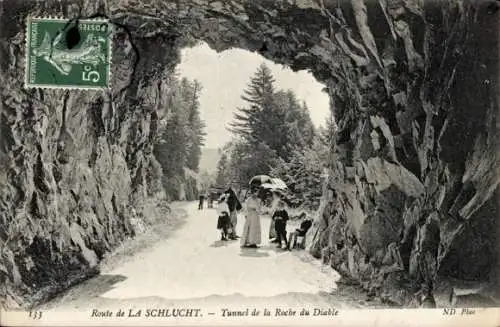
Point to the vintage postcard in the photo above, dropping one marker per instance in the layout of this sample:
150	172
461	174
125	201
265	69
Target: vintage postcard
257	163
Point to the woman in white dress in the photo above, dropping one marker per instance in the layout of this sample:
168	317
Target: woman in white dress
251	235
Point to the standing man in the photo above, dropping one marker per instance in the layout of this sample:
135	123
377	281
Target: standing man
234	206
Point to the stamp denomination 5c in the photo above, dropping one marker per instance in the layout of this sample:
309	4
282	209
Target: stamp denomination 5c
70	54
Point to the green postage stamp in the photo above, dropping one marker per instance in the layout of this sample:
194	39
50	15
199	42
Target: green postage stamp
70	54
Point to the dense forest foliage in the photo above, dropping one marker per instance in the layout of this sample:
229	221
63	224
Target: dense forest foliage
274	135
180	138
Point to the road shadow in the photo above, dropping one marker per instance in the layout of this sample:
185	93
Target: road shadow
255	253
91	288
274	248
219	243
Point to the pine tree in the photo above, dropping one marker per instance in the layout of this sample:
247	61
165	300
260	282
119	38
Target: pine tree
173	142
328	134
303	173
296	129
250	122
181	137
196	126
274	135
306	125
223	167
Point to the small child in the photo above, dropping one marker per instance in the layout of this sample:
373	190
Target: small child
280	218
297	237
224	221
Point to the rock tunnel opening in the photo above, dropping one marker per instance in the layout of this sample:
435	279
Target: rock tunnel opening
410	110
212	92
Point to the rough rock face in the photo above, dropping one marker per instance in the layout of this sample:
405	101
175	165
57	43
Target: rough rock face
74	163
412	88
417	141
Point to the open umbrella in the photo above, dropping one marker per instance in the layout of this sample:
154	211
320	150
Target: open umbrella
259	180
279	184
275	184
267	186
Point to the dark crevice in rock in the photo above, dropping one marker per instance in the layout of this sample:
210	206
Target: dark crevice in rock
95	112
56	173
93	156
75	196
39	176
113	202
34	206
7	140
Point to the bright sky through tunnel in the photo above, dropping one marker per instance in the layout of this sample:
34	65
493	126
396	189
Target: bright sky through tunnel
225	75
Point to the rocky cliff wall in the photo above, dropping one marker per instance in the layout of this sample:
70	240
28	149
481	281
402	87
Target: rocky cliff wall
412	87
74	163
416	164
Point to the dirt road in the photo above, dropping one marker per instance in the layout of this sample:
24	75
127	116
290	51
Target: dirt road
193	267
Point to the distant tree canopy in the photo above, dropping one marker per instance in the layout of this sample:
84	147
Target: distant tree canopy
241	160
273	134
273	117
180	138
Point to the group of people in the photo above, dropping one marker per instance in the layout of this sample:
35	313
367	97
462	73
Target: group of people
227	207
202	198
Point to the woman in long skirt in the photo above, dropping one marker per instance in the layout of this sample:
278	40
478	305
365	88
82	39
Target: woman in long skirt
251	230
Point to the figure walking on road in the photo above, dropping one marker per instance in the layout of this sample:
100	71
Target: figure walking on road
202	199
234	206
251	230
